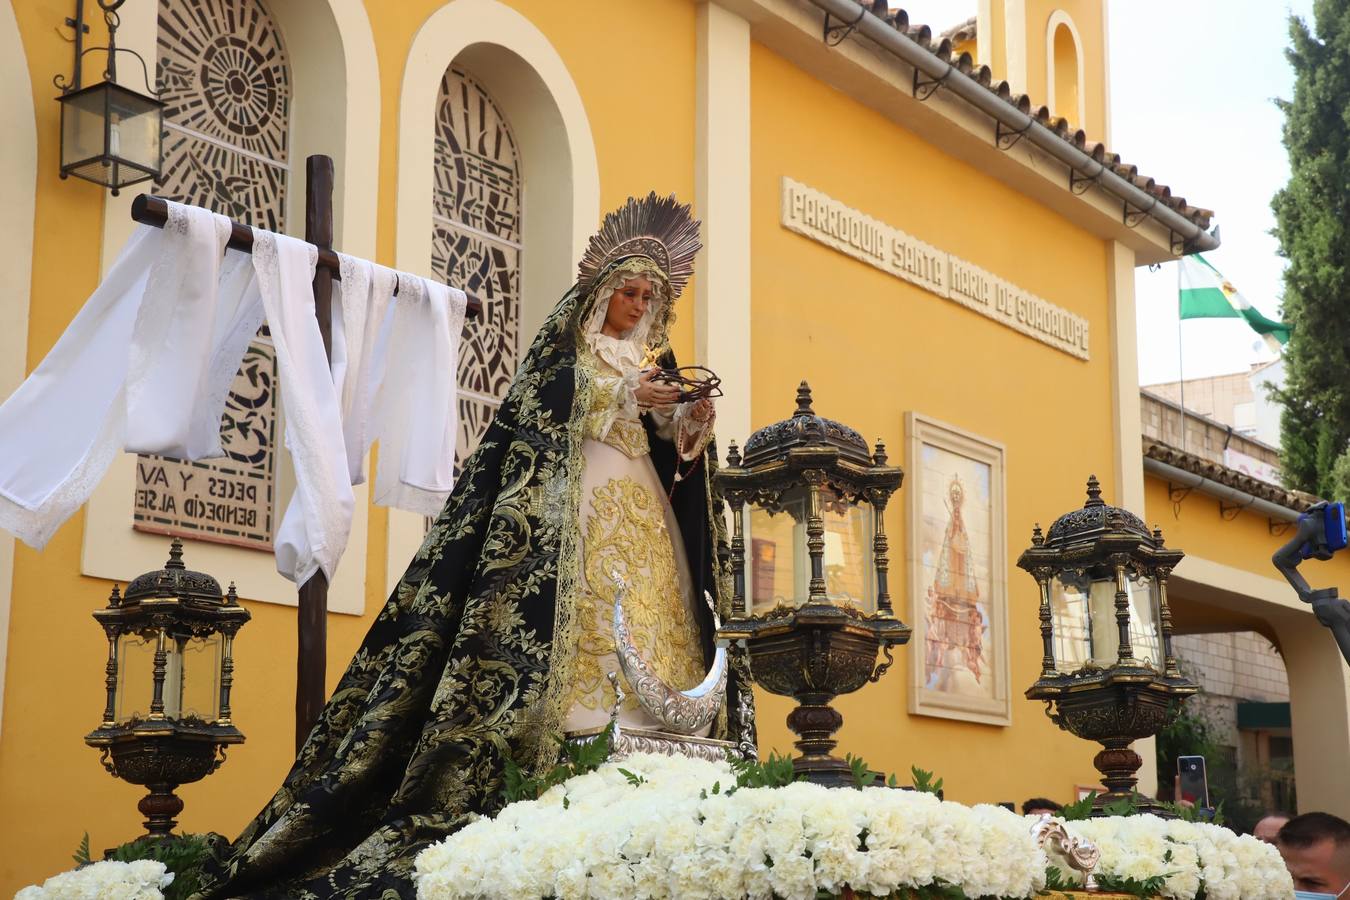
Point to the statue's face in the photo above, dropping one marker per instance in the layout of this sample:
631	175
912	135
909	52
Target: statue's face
628	305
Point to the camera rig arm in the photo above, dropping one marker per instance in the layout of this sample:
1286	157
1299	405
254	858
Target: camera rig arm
1313	542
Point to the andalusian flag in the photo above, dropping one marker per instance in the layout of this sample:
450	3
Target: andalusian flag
1206	294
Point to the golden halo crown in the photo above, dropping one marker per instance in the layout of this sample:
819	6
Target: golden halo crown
660	228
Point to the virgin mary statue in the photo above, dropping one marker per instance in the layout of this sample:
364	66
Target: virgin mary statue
497	638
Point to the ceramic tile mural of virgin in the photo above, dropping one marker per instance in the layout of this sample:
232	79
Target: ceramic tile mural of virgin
957	574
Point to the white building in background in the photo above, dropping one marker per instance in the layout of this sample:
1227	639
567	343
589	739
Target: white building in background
1265	410
1241	400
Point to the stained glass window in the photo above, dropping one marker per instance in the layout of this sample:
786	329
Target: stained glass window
477	243
224	75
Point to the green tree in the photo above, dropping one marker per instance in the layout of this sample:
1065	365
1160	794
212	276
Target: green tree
1310	215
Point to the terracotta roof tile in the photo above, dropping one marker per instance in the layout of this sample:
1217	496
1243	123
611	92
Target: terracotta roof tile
963	31
1189	462
922	35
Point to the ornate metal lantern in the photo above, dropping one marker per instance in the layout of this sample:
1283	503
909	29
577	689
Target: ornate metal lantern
819	608
1107	671
170	669
110	134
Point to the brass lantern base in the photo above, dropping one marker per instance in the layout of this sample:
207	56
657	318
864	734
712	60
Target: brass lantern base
813	654
1114	707
161	755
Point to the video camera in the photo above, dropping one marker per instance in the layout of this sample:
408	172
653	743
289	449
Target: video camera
1321	533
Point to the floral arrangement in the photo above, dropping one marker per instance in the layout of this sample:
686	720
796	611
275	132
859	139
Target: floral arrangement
657	826
144	879
1184	860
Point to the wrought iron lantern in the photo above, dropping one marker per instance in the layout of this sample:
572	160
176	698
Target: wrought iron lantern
1108	673
818	608
110	134
167	719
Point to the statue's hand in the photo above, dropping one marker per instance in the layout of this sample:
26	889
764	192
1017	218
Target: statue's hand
701	410
651	392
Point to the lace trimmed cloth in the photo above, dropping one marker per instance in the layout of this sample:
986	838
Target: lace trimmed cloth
60	430
147	364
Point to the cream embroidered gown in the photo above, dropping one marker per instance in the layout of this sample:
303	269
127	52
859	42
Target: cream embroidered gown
627	526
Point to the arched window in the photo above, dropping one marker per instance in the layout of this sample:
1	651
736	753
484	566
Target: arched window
477	242
225	78
1065	69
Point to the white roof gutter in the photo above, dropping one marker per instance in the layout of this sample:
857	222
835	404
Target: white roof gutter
1195	238
1221	491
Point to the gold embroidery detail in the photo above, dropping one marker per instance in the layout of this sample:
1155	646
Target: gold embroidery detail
628	437
606	418
626	532
544	719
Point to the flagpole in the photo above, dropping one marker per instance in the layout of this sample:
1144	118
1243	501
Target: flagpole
1181	363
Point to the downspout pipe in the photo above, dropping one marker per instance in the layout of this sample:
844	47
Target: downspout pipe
848	11
1221	491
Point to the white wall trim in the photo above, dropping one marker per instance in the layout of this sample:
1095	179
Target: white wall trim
1057	18
722	197
1129	465
1015	44
1106	73
520	68
18	199
448	32
335	110
984	34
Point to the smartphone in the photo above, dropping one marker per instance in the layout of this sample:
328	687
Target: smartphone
1192	782
1330	534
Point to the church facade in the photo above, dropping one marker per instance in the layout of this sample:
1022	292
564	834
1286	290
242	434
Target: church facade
948	284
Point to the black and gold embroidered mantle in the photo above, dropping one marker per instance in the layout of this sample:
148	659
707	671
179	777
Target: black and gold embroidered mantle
469	662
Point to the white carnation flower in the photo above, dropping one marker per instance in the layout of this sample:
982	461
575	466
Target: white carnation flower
106	880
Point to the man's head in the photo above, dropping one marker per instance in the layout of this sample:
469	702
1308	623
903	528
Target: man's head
1316	849
1269	826
1037	805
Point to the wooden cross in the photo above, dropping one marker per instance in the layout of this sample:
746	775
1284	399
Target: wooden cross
312	614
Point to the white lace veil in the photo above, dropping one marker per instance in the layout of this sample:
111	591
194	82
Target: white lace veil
627	351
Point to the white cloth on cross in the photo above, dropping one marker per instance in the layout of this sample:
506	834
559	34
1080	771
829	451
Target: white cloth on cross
416	416
61	428
359	322
147	365
314	530
412	389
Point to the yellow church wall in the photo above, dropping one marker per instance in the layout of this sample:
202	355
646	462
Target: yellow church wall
874	347
643	133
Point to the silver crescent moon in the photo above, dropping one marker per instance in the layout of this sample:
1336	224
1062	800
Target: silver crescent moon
681	712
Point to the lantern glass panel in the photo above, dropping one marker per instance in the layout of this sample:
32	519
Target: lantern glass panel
1102	632
135	676
1070	593
779	561
134	128
1145	635
199	678
82	132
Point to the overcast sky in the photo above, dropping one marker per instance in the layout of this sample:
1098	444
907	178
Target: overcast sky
1192	84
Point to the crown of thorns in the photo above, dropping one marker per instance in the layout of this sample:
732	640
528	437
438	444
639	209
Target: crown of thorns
694	382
